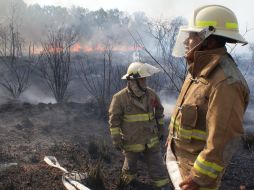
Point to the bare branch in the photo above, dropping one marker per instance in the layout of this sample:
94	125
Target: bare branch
54	61
164	35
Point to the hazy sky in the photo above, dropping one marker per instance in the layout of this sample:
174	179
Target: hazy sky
165	8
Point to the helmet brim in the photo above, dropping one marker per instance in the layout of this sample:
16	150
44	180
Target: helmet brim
234	35
127	77
146	70
124	77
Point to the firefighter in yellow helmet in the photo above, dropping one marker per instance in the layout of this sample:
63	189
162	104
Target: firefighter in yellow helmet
136	125
207	122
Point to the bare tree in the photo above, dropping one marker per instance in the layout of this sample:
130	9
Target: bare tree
101	80
107	69
4	40
164	35
55	60
15	80
250	68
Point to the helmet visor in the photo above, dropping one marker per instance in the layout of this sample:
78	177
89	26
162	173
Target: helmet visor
148	70
181	45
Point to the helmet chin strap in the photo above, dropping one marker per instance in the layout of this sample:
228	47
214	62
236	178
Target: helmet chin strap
136	77
139	86
136	88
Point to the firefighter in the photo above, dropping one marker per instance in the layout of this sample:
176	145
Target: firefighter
136	125
207	121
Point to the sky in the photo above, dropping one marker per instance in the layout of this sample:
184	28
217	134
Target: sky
164	9
159	8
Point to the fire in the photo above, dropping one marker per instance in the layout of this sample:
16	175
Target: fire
76	48
100	48
89	48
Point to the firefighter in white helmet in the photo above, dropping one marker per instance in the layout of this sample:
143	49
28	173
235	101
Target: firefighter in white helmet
136	126
206	124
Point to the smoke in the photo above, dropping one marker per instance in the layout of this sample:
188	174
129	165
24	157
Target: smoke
248	118
168	101
35	95
94	27
168	107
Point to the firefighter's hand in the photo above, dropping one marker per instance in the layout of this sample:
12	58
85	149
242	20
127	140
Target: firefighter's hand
161	138
189	184
161	134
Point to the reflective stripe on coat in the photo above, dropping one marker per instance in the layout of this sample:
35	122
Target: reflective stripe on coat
135	120
207	120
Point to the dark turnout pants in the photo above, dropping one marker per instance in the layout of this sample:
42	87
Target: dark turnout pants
156	168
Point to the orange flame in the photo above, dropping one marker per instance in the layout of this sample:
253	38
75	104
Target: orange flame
91	48
100	48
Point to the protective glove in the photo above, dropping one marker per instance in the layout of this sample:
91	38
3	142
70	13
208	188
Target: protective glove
160	133
189	184
118	142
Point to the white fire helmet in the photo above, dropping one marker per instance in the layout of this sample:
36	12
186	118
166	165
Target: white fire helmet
210	19
140	70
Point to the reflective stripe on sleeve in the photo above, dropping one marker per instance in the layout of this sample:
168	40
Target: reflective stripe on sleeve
210	169
171	125
138	117
115	131
161	121
153	142
205	188
161	183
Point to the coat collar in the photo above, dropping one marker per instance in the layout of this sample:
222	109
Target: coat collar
141	102
205	62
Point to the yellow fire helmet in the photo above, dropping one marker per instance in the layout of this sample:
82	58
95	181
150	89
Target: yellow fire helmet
140	70
220	18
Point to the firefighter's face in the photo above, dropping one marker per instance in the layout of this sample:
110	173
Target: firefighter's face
191	45
142	82
192	41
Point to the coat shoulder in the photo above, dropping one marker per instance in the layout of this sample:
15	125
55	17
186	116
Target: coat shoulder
121	92
231	71
151	91
228	72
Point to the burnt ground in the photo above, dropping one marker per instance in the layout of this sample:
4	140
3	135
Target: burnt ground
79	139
